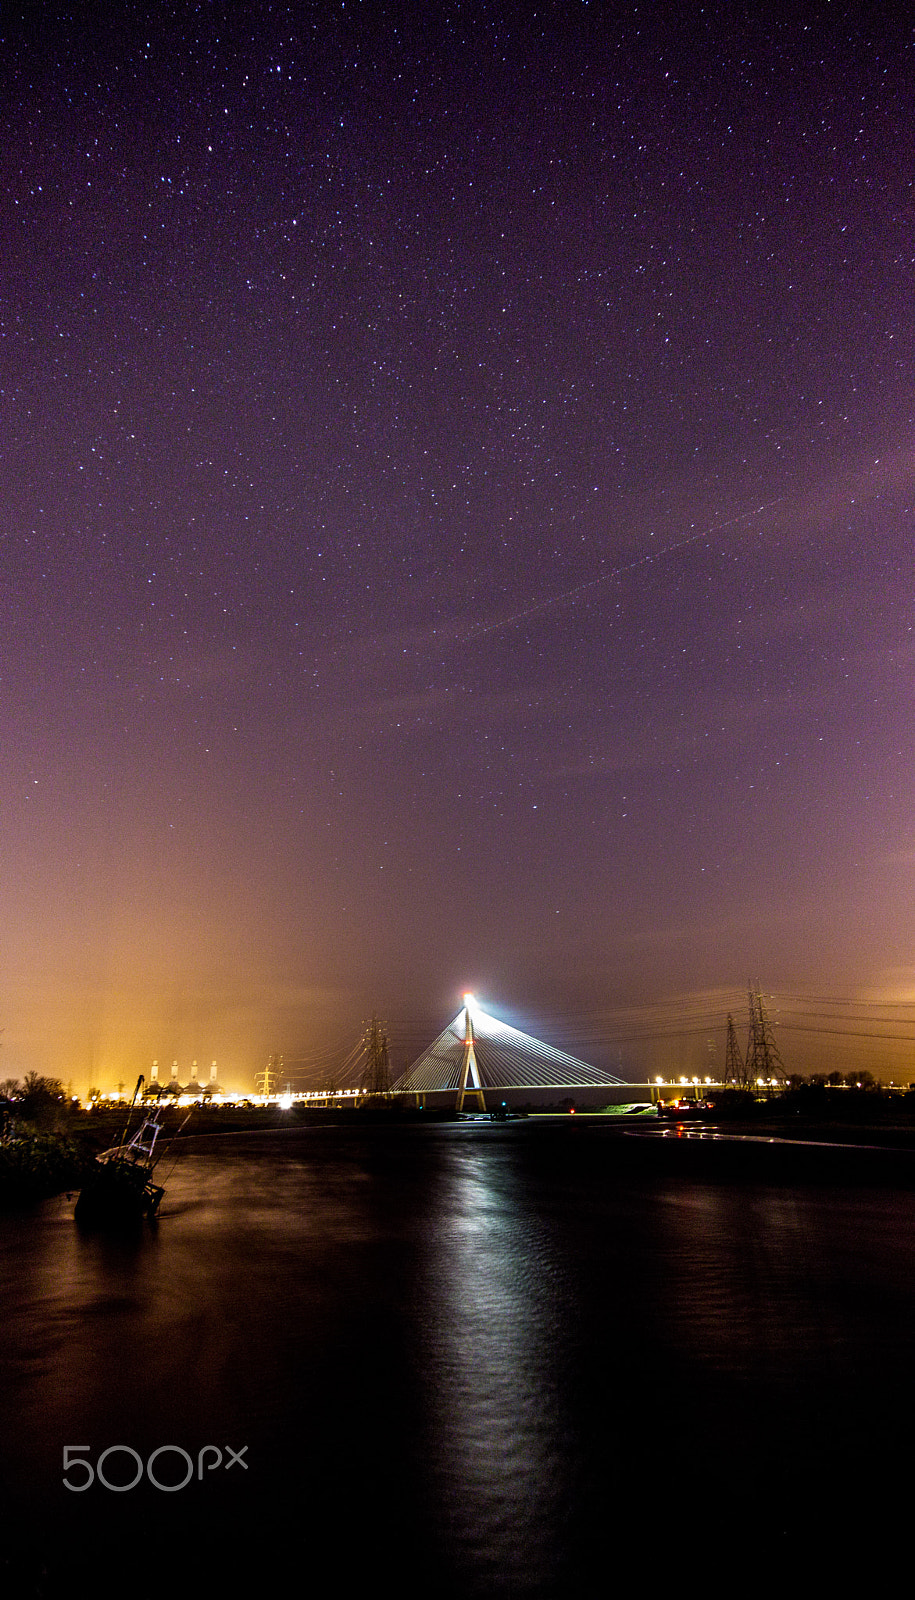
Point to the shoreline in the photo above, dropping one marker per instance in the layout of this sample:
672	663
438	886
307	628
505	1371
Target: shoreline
772	1150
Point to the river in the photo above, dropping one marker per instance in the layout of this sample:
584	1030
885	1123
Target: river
466	1359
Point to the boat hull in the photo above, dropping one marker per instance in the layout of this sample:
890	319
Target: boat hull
119	1193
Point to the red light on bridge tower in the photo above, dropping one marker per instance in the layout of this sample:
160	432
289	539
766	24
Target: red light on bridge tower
471	1083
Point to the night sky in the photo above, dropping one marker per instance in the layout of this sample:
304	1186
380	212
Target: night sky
456	531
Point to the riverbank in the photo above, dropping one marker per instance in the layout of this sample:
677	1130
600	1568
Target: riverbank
35	1167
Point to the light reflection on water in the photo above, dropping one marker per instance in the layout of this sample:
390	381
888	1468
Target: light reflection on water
492	1359
467	1355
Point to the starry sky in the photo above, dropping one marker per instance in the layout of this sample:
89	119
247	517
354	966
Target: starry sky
455	531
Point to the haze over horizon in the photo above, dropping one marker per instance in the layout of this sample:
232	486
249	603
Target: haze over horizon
457	483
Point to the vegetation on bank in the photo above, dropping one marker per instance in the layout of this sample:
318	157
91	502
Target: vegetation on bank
35	1167
39	1155
854	1098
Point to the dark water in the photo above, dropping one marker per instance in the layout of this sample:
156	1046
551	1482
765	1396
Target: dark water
468	1361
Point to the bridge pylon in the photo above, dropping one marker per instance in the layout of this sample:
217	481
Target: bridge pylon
471	1083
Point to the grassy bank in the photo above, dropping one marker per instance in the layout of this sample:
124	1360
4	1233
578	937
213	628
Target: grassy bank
36	1166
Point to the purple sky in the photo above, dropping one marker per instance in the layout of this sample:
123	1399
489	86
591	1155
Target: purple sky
455	531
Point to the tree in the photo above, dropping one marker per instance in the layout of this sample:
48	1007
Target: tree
41	1099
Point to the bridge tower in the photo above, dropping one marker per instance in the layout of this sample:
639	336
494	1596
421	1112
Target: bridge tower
471	1083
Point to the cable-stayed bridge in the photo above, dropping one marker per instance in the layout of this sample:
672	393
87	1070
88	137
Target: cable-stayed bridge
477	1052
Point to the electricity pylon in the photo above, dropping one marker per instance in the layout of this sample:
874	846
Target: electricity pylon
267	1081
763	1058
376	1076
734	1070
